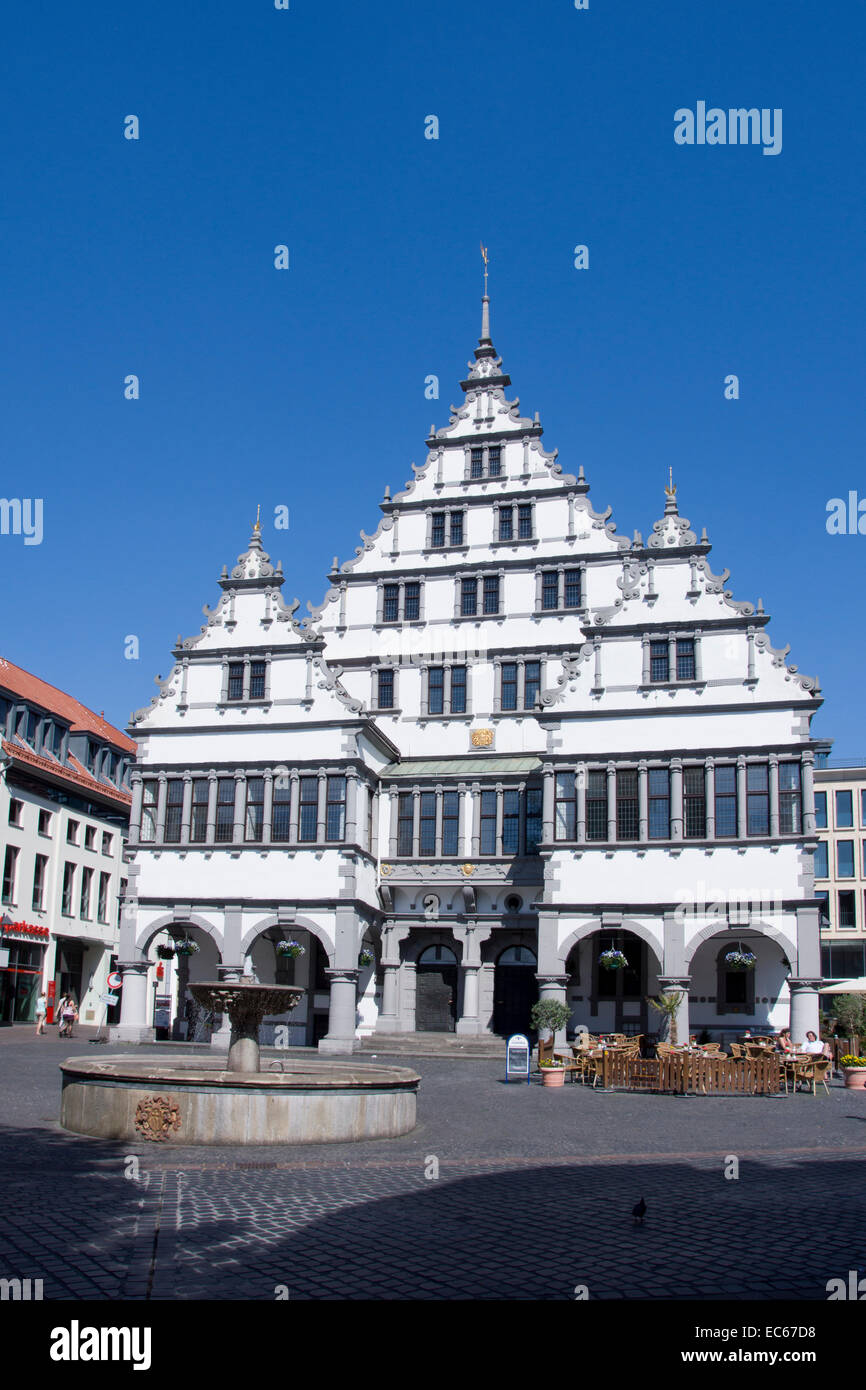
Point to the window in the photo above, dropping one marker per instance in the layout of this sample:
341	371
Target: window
565	806
405	823
308	809
476	463
685	659
506	524
436	689
757	799
863	808
790	800
510	821
509	685
446	522
524	521
198	816
659	661
9	873
255	817
488	822
844	810
626	804
596	805
844	858
847	910
68	889
236	681
450	822
72	829
281	814
335	809
863	858
102	899
659	792
15	810
491	593
458	689
456	528
225	810
391	608
39	866
572	589
412	610
468	597
531	684
437	530
149	791
726	802
173	811
427	824
823	897
57	740
385	689
257	680
845	961
86	881
694	803
550	589
44	822
107	842
533	819
821	810
494	461
821	864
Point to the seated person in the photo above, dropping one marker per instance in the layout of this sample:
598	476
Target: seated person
813	1044
783	1041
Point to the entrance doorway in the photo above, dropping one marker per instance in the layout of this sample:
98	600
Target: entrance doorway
515	990
436	991
625	988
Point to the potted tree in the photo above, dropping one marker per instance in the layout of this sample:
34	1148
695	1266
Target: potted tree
850	1018
668	1005
855	1072
548	1016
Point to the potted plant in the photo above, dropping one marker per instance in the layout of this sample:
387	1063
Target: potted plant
290	948
612	960
668	1006
553	1073
164	951
549	1016
185	946
740	960
365	958
855	1071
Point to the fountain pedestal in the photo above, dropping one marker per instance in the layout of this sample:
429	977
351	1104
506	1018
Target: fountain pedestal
246	1003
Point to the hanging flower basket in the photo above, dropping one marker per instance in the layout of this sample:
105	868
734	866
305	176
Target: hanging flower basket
740	960
165	952
186	947
292	949
612	960
366	958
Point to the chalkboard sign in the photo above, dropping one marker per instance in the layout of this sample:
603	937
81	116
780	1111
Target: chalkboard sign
518	1057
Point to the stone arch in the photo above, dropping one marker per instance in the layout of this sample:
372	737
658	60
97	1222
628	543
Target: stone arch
423	935
594	926
171	919
252	933
721	930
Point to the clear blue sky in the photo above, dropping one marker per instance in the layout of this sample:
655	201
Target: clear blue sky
306	387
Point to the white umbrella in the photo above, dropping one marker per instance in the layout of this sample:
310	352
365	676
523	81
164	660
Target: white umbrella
857	986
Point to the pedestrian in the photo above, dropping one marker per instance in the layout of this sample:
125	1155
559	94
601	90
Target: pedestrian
41	1012
68	1016
58	1014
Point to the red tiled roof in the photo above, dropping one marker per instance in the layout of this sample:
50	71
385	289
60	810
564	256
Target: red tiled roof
83	780
48	697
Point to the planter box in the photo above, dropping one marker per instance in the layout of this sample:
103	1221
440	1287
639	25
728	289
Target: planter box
553	1076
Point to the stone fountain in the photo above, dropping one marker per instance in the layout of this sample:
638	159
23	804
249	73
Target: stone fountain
203	1100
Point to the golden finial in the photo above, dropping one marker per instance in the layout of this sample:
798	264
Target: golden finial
670	489
258	525
484	257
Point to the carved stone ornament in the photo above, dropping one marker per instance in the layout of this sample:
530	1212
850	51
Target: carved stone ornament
386	869
482	738
468	869
156	1118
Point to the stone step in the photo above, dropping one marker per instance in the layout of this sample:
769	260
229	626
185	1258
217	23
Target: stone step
433	1045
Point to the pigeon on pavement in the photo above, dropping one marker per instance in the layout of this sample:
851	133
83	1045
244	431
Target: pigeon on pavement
639	1212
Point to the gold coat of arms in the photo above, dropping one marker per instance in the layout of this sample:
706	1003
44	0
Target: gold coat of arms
156	1118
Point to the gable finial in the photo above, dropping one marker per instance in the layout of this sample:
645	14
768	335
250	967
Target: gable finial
670	489
257	525
485	301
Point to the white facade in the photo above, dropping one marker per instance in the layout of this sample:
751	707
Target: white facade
506	738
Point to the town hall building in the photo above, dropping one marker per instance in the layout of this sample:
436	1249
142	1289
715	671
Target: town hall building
507	740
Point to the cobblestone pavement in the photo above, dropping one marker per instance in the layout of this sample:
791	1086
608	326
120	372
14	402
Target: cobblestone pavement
533	1198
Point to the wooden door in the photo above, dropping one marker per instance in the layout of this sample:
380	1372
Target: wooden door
435	998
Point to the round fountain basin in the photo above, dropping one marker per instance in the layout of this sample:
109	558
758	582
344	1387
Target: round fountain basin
195	1100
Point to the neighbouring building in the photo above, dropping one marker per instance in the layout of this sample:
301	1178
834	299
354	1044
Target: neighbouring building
507	740
64	810
840	867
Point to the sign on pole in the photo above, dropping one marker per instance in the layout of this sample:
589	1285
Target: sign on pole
518	1057
115	980
108	999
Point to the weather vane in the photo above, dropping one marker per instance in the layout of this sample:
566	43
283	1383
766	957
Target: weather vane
484	258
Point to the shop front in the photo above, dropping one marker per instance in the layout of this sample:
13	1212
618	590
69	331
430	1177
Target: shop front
22	954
